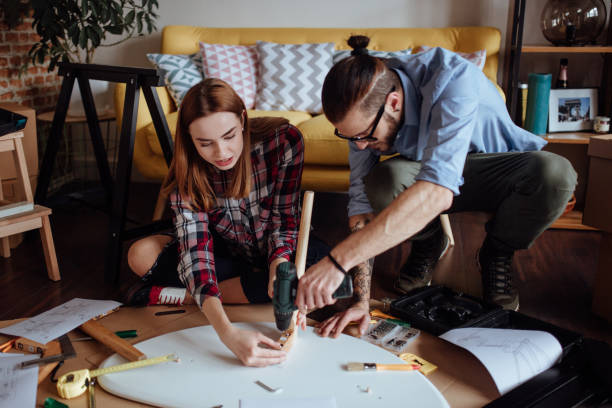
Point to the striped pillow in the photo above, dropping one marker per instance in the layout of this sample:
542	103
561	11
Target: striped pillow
291	75
180	72
236	65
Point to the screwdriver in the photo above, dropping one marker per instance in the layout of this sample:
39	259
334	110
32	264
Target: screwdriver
124	334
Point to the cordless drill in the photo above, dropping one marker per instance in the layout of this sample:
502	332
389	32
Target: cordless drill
285	291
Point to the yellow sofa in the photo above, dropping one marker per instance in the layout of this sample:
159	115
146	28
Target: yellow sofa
326	156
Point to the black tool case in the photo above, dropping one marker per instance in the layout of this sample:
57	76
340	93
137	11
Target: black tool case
583	377
11	122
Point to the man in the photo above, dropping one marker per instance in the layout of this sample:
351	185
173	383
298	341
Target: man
458	151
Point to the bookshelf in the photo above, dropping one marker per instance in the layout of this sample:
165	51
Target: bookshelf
543	49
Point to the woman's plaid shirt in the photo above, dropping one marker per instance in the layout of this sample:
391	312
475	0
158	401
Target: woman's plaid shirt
260	228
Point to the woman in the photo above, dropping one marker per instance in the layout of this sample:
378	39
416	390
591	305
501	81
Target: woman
234	187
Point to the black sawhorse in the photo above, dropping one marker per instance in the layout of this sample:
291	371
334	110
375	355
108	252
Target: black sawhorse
116	192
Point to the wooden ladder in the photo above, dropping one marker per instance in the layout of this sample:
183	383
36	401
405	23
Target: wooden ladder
34	217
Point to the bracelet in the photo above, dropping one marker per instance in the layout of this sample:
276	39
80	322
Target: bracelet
336	264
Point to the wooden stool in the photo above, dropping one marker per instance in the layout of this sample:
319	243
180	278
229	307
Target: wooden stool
37	217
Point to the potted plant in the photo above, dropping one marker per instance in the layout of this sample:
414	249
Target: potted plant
72	30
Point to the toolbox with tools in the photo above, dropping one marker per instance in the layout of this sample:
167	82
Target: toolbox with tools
583	377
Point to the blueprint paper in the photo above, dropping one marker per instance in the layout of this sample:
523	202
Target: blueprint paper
17	385
60	320
511	356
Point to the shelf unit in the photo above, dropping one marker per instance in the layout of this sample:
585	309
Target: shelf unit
569	137
571	145
551	49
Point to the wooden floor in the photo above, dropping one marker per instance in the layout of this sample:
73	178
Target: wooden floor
554	277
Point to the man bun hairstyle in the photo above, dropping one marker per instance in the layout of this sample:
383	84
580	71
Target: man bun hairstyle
359	44
359	79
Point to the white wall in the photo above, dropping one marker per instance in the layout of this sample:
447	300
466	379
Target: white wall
308	13
584	70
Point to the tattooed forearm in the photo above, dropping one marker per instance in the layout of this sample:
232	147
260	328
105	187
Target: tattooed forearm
362	273
362	279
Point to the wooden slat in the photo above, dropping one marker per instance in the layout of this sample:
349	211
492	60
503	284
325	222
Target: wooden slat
566	50
9	136
5	247
21	226
22	171
7	145
37	212
569	138
49	249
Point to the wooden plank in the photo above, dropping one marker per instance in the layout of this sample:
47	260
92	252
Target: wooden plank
572	220
22	226
7	145
9	136
5	247
49	249
38	212
569	138
22	171
110	339
593	49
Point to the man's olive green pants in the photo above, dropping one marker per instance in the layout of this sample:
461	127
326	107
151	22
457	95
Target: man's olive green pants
526	192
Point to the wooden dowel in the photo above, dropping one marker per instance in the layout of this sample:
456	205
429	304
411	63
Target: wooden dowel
300	261
110	339
304	233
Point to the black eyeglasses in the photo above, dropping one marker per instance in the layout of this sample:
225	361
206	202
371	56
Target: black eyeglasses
370	136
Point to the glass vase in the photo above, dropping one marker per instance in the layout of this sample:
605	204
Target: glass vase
573	22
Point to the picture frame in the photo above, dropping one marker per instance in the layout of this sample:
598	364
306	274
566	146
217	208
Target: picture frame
572	109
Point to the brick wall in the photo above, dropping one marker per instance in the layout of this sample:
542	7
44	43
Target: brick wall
35	88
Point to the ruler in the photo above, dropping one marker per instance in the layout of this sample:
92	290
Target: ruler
73	384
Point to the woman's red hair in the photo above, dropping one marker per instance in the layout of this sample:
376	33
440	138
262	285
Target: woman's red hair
189	172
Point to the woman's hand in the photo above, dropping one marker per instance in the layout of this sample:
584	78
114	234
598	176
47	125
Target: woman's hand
359	312
252	348
300	320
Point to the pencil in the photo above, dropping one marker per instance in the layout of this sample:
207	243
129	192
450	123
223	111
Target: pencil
380	367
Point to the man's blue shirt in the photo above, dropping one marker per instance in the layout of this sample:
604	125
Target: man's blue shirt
451	109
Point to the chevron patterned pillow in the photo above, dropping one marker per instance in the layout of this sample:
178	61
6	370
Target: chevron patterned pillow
236	65
181	72
339	55
291	75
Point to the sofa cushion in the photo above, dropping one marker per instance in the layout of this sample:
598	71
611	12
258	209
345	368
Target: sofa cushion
180	72
236	65
294	118
291	75
151	134
478	58
339	55
320	144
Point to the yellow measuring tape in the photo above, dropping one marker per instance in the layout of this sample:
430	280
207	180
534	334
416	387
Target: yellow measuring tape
72	384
